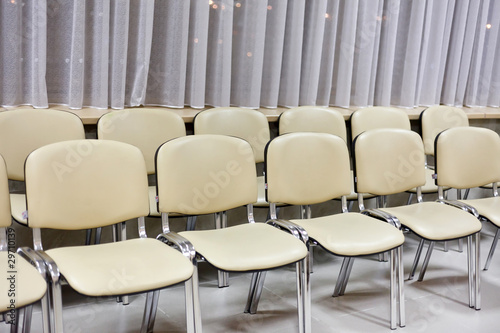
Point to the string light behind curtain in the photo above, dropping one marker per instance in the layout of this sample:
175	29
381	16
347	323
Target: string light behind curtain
249	53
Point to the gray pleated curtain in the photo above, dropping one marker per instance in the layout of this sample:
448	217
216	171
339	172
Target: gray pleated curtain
249	53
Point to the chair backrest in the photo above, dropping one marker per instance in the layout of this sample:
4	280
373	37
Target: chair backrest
24	130
312	119
378	117
144	128
388	161
247	124
203	174
307	168
84	184
467	157
436	119
5	216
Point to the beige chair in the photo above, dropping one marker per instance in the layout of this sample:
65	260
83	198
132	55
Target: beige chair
207	174
146	129
315	119
22	283
389	161
434	120
310	168
108	186
247	124
469	157
378	117
24	130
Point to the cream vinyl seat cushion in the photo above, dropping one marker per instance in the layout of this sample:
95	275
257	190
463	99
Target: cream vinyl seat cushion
239	248
434	221
487	207
121	268
30	285
18	207
352	234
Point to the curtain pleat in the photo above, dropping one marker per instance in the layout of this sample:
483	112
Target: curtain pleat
249	32
249	53
273	53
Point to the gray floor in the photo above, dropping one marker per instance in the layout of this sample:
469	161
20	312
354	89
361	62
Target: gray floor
438	304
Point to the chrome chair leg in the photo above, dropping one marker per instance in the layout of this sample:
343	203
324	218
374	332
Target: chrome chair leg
193	310
221	222
410	198
88	236
256	287
417	259
57	306
147	312
401	295
304	296
28	312
341	277
346	279
46	317
492	250
426	261
470	269
477	271
473	256
98	233
461	245
156	296
393	294
191	223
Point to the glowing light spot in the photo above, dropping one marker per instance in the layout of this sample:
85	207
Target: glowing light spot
269	7
196	40
488	26
327	15
249	54
214	6
238	5
210	2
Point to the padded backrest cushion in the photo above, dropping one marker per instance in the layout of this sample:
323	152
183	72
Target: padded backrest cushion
388	161
307	168
85	184
250	125
147	129
467	157
5	215
312	119
378	117
202	174
436	119
24	130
